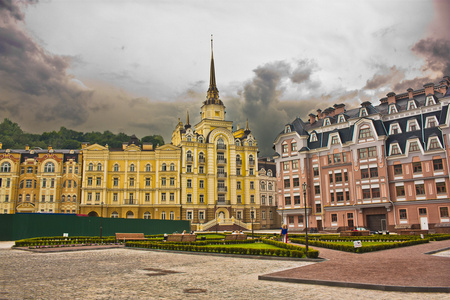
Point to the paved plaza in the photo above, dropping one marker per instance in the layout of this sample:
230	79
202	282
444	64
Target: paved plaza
137	274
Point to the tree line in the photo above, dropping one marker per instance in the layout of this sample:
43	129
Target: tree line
13	137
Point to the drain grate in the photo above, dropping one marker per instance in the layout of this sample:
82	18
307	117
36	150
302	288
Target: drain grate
159	272
194	291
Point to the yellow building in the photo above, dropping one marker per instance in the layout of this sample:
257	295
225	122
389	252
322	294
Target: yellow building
131	182
219	169
37	180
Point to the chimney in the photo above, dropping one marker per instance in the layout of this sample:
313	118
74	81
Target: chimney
429	88
339	108
319	114
312	118
410	93
124	145
84	145
1	145
50	147
391	98
27	148
365	104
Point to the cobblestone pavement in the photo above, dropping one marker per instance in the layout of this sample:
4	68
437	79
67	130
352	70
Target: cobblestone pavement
122	274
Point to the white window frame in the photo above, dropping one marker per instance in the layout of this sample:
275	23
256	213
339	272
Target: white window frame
392	126
393	109
313	137
431	118
412	122
391	147
430	101
411	104
429	143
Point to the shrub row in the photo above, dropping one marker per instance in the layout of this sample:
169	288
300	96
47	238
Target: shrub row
438	236
363	248
224	250
312	253
63	241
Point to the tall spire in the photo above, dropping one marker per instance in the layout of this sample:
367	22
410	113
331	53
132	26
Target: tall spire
188	125
213	92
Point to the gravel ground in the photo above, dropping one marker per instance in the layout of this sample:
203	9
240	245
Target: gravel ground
122	274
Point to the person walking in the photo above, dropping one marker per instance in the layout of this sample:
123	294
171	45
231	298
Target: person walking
284	233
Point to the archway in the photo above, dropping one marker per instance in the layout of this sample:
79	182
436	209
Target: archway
93	214
130	215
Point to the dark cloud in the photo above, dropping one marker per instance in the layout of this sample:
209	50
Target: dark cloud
436	53
34	79
384	78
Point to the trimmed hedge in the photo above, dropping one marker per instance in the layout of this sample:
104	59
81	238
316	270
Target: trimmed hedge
59	240
288	251
363	248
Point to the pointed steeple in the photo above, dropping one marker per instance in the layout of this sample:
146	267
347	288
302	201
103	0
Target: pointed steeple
213	93
247	130
188	125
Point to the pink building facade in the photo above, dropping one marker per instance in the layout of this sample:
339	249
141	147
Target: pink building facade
383	167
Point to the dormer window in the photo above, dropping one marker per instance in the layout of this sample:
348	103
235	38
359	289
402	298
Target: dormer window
411	105
341	119
326	122
393	109
287	129
395	129
430	101
200	139
334	140
238	142
189	138
363	112
414	147
431	122
313	137
365	132
434	143
395	149
250	143
412	125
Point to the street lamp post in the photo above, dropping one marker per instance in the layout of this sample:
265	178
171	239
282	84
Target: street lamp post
101	220
251	217
306	217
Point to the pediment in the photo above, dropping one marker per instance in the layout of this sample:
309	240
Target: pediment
168	147
95	147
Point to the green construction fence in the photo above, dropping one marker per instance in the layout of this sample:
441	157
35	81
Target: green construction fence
21	226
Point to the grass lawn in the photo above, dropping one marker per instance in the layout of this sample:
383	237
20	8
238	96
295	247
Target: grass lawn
210	236
251	246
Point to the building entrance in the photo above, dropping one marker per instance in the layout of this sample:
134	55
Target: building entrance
374	222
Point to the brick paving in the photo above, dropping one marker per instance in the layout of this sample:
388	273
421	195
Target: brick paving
407	268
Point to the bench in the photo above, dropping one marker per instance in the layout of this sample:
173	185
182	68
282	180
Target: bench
129	236
235	237
181	238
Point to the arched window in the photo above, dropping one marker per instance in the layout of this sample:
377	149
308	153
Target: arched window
74	184
172	167
220	141
189	138
49	167
130	215
163	215
132	168
99	167
189	157
147	215
238	142
116	168
250	157
163	167
172	215
6	167
20	198
250	143
27	198
269	173
63	198
201	157
114	215
148	168
68	198
91	167
74	198
64	183
200	139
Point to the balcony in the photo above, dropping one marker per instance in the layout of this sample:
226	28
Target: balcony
251	162
221	147
223	202
222	175
238	162
130	202
201	160
221	161
189	159
222	189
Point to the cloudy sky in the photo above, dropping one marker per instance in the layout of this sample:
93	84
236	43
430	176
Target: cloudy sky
137	66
